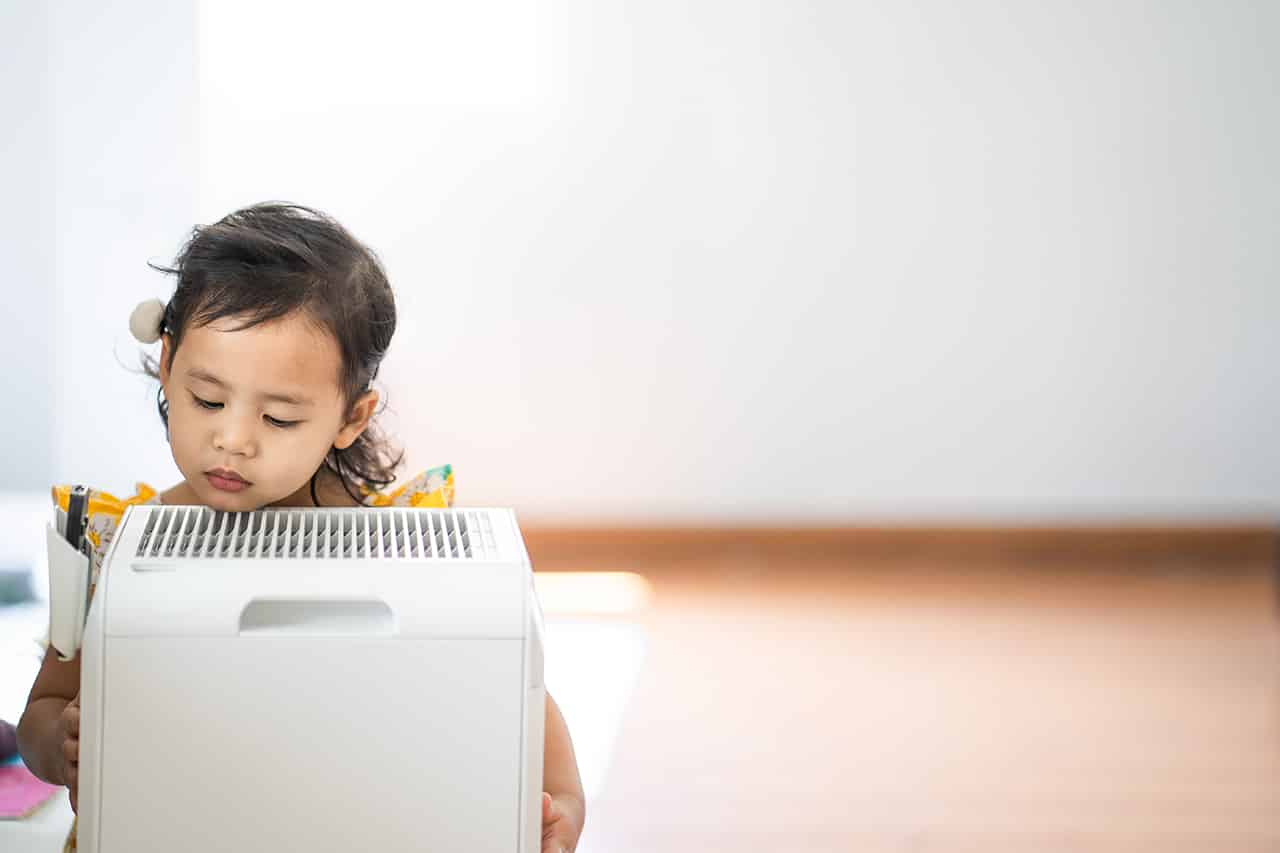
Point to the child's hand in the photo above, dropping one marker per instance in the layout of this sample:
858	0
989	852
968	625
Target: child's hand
558	834
69	744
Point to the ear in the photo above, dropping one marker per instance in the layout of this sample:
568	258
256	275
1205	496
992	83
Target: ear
165	341
361	413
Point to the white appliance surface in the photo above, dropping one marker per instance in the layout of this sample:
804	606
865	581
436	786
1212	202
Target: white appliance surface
313	680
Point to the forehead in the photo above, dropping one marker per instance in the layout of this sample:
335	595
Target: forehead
289	354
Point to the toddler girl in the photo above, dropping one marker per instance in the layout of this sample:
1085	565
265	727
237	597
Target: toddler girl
269	346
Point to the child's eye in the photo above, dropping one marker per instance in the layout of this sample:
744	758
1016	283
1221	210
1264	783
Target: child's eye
276	422
205	404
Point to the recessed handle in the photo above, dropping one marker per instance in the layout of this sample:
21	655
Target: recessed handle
289	617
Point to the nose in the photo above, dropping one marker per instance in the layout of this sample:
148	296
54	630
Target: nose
235	436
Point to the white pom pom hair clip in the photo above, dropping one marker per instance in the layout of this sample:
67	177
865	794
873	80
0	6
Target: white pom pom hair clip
147	320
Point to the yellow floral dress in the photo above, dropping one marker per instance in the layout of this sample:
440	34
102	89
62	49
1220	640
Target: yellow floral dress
431	488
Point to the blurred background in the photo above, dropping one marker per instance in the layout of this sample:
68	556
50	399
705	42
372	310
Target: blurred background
888	390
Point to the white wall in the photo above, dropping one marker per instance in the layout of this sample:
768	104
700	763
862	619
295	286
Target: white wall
97	176
776	260
26	248
727	261
125	162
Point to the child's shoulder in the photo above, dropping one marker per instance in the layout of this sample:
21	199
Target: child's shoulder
431	488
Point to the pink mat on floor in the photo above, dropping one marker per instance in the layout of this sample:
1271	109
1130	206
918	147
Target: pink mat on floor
21	793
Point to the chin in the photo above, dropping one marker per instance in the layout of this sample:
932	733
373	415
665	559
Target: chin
227	501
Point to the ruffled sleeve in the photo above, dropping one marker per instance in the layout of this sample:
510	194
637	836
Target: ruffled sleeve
431	488
104	514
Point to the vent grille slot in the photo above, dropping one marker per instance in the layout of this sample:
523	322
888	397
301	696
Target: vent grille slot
310	534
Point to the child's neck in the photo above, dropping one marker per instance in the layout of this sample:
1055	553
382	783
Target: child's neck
329	491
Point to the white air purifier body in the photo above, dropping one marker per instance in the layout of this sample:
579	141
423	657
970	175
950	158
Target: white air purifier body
312	680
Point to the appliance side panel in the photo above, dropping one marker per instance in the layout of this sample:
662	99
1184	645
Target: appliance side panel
93	655
535	730
535	699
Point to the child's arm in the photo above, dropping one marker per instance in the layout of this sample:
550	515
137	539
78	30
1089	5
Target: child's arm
48	733
563	817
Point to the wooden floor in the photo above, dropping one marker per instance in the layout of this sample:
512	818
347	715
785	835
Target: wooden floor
924	704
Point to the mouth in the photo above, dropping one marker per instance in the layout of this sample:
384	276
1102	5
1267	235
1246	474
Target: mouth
226	480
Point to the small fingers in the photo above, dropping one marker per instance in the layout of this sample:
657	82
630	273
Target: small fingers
550	809
71	750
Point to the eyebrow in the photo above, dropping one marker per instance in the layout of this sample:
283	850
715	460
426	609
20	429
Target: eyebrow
205	376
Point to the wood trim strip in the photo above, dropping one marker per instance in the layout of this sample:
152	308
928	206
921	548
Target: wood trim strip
1247	541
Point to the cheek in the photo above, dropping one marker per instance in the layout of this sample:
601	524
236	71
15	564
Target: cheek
301	446
182	432
177	424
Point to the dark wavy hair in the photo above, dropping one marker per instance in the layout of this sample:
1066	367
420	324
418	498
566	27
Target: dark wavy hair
269	260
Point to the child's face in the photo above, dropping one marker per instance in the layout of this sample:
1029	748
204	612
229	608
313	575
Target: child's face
262	404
